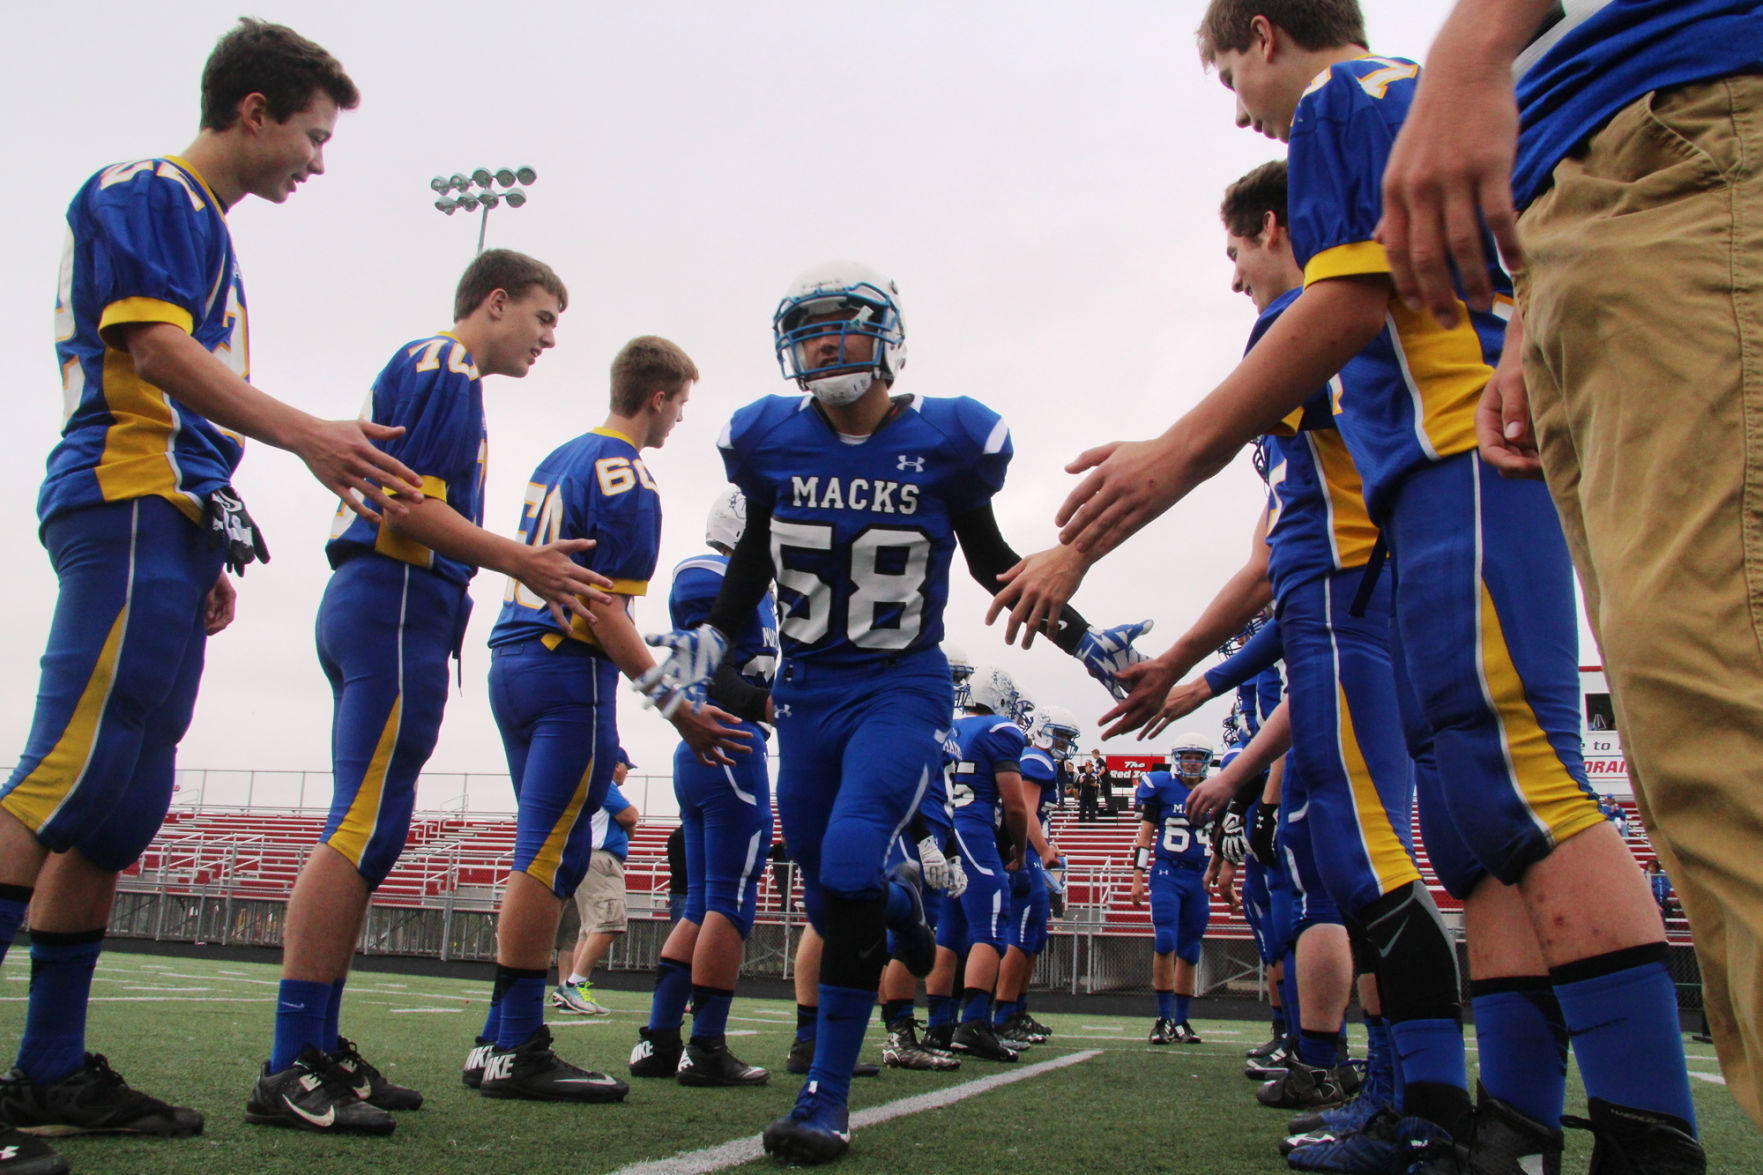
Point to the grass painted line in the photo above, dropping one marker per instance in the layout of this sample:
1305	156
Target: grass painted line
1711	1078
1101	1028
745	1150
429	1011
179	990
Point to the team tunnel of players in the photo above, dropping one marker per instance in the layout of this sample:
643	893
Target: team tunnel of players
1403	634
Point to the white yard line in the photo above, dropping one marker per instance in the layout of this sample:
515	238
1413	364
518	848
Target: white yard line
745	1150
1713	1078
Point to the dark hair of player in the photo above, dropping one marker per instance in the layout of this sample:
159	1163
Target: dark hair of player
646	365
1313	24
504	269
256	57
1248	201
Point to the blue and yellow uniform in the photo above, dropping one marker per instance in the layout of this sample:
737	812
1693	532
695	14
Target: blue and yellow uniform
121	510
395	611
1179	907
1484	596
726	810
554	693
1031	903
988	745
861	539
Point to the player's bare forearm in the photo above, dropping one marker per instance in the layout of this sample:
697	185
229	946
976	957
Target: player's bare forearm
1037	839
1130	484
1276	778
546	570
617	634
1270	743
1016	821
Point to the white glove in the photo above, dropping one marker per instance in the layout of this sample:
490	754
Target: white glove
694	654
1055	876
957	878
1106	651
934	864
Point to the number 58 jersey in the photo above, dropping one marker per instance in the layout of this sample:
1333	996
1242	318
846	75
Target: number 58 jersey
862	533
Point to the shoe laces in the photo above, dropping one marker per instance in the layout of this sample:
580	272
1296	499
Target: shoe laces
347	1056
98	1069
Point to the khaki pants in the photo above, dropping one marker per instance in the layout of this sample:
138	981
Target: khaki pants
1643	311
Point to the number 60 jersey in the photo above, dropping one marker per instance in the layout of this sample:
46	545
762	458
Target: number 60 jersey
861	533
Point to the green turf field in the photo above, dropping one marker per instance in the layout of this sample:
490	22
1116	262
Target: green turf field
196	1032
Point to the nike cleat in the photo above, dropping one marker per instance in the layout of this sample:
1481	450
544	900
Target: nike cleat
815	1131
1162	1032
370	1084
472	1074
1023	1027
1507	1140
915	942
20	1154
93	1099
1266	1048
938	1040
1185	1034
1268	1067
313	1094
532	1071
710	1064
1301	1087
658	1052
976	1039
1628	1139
903	1051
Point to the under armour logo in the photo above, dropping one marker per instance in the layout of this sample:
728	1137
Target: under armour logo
915	464
781	709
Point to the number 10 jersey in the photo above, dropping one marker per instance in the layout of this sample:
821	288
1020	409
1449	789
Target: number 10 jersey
862	533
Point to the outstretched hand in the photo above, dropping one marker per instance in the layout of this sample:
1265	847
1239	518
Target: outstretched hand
1036	591
342	456
1128	485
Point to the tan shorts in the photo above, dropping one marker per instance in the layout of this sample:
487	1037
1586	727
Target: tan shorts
600	898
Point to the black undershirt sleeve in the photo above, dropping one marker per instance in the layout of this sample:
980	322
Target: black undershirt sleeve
737	695
749	574
989	556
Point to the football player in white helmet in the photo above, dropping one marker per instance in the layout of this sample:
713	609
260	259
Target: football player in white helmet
727	521
960	672
1190	758
853	302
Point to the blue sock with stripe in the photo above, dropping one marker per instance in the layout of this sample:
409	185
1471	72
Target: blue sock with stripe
673	988
844	1017
710	1007
942	1010
54	1042
523	1004
1621	1009
1166	1005
14	901
302	1007
1183	1005
333	1015
1317	1049
1521	1041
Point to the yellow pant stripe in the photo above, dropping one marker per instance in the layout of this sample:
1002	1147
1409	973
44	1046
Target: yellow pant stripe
357	827
1554	797
1389	860
549	858
35	800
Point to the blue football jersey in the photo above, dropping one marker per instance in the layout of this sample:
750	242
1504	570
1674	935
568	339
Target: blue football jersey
1316	519
1039	769
862	534
146	242
594	487
432	388
1164	799
987	745
1605	54
696	581
1409	397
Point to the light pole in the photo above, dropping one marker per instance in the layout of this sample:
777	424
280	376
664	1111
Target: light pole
487	196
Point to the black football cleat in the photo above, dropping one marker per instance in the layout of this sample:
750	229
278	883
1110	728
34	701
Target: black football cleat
1162	1032
976	1039
313	1094
658	1053
472	1073
21	1154
370	1084
1301	1087
815	1131
708	1063
801	1059
533	1072
1629	1141
93	1099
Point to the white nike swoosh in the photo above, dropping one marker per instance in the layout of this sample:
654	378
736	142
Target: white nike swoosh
589	1081
324	1119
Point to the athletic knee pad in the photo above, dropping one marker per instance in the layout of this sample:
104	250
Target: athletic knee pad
1163	942
1417	975
856	943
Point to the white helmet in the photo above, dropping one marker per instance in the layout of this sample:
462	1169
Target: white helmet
850	301
992	688
1056	729
960	671
728	519
1024	713
1191	756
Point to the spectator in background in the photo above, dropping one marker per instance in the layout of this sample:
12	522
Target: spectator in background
601	897
677	882
1104	787
783	871
1086	793
1661	890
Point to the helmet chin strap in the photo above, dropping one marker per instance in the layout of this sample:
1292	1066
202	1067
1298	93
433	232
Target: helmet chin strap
838	391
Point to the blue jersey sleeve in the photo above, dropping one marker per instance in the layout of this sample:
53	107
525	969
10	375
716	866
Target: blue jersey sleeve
694	592
429	389
149	243
983	441
1037	767
1002	748
1262	651
744	428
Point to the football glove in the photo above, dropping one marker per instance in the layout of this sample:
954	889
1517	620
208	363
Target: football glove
1055	876
230	528
694	654
1106	651
957	878
1263	835
934	864
1233	843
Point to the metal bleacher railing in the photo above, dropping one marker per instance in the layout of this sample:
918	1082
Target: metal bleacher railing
222	867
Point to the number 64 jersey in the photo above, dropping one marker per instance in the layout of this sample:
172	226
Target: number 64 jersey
862	533
1164	800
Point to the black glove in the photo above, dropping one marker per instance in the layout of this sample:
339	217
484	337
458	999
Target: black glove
231	529
1263	834
1233	845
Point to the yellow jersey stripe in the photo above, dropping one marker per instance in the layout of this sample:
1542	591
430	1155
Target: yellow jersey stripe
357	825
1449	365
1389	860
1351	531
1355	260
138	459
389	542
549	858
127	310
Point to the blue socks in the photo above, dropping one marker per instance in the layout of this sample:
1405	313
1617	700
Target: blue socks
710	1007
1166	1005
1279	1022
333	1015
302	1009
1002	1010
1523	1045
54	1043
521	995
844	1016
1621	1009
673	987
976	1005
942	1010
14	901
807	1021
1317	1049
1379	1064
1429	1051
1183	1004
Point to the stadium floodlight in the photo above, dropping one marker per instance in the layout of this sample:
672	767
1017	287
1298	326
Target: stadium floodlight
487	195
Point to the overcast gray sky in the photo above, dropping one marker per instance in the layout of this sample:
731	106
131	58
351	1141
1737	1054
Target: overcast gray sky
1042	179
